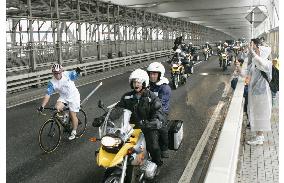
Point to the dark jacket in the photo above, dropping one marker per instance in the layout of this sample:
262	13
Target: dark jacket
163	91
146	111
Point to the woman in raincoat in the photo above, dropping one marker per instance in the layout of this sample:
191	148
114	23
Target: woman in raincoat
259	94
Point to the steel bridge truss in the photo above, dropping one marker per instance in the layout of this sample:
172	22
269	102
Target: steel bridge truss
102	31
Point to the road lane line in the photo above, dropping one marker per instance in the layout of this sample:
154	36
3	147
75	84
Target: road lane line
194	159
197	63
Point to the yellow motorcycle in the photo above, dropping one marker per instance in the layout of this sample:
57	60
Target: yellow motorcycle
123	149
178	75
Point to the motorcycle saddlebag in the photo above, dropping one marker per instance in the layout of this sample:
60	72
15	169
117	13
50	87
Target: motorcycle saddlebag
175	134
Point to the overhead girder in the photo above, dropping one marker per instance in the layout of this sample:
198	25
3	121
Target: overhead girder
186	5
119	14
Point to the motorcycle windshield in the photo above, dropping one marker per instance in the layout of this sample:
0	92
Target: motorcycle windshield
116	123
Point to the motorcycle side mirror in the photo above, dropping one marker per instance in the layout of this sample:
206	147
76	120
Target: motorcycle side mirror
100	104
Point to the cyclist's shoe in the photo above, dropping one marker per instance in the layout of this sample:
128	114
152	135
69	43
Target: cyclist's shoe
73	135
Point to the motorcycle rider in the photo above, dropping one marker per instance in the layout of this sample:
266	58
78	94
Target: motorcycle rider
190	46
184	61
146	111
207	45
219	48
160	86
209	49
225	47
192	51
178	41
229	51
184	47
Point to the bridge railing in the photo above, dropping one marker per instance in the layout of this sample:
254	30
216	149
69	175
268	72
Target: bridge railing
36	79
24	58
223	165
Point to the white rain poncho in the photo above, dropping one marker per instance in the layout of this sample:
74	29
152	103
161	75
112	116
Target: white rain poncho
259	94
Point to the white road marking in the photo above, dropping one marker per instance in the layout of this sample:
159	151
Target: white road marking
194	159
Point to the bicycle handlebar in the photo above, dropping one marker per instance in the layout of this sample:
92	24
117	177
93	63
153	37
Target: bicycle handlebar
52	109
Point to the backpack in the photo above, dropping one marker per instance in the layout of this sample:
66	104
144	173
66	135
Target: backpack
274	83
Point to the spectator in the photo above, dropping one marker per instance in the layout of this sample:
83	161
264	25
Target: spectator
275	78
241	55
259	94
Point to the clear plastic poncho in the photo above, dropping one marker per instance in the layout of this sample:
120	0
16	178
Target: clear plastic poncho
259	94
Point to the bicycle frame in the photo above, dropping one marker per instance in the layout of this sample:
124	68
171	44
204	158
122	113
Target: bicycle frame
55	116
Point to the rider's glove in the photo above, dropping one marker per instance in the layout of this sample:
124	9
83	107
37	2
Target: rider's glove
78	70
40	109
98	121
154	124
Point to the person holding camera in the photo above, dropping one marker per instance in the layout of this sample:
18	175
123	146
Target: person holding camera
259	94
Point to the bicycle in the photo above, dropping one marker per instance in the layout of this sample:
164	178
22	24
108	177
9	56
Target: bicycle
52	128
57	122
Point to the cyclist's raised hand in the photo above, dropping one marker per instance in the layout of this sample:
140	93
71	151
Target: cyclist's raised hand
78	70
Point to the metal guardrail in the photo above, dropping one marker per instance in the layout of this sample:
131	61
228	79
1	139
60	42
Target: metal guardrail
223	165
23	58
36	79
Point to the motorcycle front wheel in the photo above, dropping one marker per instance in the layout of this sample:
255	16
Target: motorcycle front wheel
113	179
224	65
113	175
175	81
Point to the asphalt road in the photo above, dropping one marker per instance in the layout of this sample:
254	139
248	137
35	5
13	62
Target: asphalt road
74	161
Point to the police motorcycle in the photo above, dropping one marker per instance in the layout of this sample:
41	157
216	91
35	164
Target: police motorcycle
123	150
223	60
178	75
188	57
230	55
206	53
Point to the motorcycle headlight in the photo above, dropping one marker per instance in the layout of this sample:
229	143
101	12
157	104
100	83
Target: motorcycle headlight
108	141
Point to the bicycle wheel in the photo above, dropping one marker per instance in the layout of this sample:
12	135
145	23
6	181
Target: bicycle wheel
82	123
49	136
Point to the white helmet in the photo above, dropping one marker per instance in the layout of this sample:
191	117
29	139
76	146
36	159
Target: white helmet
56	68
157	67
226	43
207	42
141	76
178	50
190	43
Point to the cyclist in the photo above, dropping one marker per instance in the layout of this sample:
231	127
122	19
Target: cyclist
63	83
